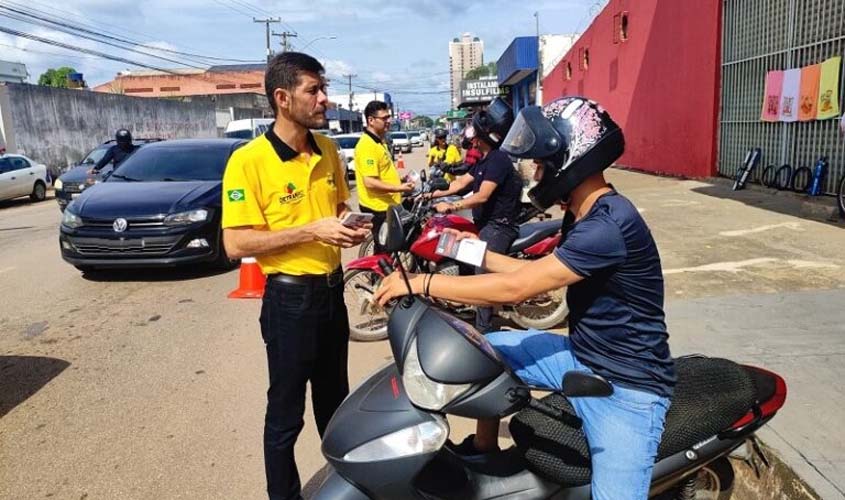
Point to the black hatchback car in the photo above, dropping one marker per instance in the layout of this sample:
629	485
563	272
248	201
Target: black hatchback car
161	207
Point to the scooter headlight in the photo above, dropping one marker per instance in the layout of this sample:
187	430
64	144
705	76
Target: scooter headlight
424	392
426	437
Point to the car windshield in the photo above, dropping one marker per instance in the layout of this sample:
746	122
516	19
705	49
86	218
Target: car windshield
95	155
194	162
414	134
399	135
347	142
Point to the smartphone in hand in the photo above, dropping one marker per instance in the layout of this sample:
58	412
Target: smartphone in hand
356	219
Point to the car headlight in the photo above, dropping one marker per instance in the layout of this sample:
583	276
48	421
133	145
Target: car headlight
424	392
188	217
426	437
57	185
71	220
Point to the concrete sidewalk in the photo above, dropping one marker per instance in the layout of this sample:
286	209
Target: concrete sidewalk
800	336
758	276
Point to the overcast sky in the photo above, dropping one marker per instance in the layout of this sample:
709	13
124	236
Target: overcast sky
400	47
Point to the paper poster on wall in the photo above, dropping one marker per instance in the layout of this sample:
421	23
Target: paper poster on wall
809	95
828	104
789	96
771	97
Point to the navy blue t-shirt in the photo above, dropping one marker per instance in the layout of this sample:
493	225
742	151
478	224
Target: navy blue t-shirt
503	205
616	318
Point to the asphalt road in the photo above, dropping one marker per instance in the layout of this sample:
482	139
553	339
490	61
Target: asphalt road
151	384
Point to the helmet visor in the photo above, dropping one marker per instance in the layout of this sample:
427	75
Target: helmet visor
532	135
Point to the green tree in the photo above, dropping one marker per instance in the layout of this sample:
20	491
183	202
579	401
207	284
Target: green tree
56	77
488	69
422	122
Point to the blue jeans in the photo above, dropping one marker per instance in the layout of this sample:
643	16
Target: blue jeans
623	430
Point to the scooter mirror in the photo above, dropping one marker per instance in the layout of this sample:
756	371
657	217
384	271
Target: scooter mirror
391	234
423	176
579	384
439	184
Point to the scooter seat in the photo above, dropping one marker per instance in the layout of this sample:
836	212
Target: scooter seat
534	232
710	395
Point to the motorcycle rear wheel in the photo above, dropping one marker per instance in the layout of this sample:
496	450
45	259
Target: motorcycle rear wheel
543	312
714	481
367	319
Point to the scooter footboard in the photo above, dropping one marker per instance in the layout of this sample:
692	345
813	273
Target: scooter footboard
335	487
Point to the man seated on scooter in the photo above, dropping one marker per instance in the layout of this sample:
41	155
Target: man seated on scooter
610	263
496	186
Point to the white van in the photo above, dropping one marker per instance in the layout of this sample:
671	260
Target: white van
249	128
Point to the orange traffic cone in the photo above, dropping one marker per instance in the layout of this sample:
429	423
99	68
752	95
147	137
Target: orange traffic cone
400	164
252	281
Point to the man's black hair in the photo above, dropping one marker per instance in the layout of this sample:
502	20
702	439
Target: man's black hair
284	70
372	107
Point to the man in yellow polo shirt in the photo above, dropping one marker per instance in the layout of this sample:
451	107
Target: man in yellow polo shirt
376	178
443	152
282	195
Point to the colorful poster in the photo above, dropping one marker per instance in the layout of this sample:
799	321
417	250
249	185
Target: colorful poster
771	97
789	97
828	104
809	95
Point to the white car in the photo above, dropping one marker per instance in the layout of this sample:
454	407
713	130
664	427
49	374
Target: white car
20	176
347	143
401	141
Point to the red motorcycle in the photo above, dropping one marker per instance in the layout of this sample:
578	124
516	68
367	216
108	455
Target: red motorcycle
368	321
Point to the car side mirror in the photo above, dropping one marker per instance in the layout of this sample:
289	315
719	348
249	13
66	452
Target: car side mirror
581	384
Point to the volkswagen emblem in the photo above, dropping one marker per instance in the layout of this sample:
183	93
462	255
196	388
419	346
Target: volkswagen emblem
120	225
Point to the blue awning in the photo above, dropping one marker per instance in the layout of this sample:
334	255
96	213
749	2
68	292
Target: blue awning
518	61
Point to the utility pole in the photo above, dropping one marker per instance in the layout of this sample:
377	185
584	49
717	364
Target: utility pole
267	30
285	35
349	78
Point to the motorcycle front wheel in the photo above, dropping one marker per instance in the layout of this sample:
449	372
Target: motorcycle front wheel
367	319
367	247
542	312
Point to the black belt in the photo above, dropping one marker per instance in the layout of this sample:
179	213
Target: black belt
331	279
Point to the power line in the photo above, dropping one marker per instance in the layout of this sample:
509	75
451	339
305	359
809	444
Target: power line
28	12
55	43
92	38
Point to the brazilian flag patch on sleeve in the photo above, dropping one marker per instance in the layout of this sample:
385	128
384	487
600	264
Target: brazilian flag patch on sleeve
236	195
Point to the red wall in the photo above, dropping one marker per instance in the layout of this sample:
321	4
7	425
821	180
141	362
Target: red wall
661	85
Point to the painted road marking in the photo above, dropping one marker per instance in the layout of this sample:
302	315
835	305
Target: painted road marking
737	266
795	226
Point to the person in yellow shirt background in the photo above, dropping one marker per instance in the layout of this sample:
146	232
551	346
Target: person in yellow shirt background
283	194
376	178
442	152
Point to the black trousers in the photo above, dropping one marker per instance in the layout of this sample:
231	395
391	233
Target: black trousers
306	333
499	237
378	220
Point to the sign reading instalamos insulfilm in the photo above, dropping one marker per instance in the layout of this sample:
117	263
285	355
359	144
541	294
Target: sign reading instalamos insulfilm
479	90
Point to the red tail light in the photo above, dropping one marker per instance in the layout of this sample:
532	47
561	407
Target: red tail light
772	405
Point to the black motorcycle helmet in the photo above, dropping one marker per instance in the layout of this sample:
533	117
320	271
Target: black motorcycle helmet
572	136
123	137
492	125
440	133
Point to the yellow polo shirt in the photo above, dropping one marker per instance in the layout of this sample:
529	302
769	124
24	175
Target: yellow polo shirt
268	186
372	159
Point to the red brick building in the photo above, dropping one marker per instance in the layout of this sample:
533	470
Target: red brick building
226	79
